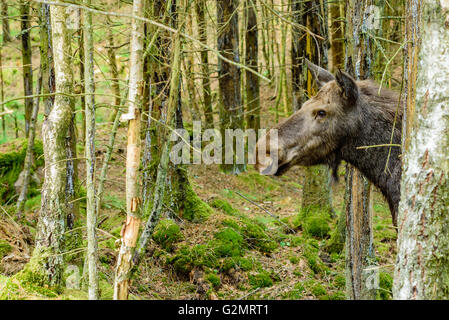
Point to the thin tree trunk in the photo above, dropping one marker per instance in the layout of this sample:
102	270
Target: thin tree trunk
359	233
200	7
81	57
29	158
112	60
5	22
54	210
230	101
26	61
91	221
130	230
422	269
251	60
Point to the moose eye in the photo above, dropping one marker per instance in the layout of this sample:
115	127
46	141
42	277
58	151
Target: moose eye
321	113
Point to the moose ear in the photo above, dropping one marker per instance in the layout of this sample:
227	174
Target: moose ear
350	90
321	76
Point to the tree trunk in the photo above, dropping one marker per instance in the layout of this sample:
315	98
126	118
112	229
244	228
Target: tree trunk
26	61
200	7
230	101
422	269
52	218
251	60
91	221
130	230
5	22
359	233
29	158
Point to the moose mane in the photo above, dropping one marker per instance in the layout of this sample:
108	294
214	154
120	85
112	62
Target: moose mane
386	102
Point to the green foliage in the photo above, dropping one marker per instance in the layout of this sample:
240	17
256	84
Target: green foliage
260	280
166	234
5	248
386	286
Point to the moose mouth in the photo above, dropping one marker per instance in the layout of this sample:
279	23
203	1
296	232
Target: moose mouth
283	168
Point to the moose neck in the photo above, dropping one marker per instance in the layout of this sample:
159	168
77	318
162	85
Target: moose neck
380	164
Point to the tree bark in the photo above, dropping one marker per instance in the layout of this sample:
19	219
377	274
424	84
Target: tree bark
54	209
230	101
5	22
26	61
359	233
422	268
130	230
91	221
251	60
200	8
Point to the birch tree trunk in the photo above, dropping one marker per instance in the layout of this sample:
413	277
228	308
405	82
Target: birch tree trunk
422	268
91	222
130	230
54	208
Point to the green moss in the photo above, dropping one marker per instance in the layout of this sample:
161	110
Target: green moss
385	286
317	225
166	234
5	248
340	281
225	206
187	258
12	158
34	277
256	237
294	259
313	260
214	280
260	280
339	295
106	290
195	209
229	243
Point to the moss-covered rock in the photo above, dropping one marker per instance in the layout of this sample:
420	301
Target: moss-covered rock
166	234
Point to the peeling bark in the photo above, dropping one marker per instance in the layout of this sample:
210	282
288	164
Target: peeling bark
422	268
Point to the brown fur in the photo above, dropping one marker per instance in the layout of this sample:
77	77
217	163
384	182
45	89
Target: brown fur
343	116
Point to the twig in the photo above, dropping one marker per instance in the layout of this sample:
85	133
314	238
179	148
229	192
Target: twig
260	207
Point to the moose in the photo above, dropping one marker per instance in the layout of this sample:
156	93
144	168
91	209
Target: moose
346	120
